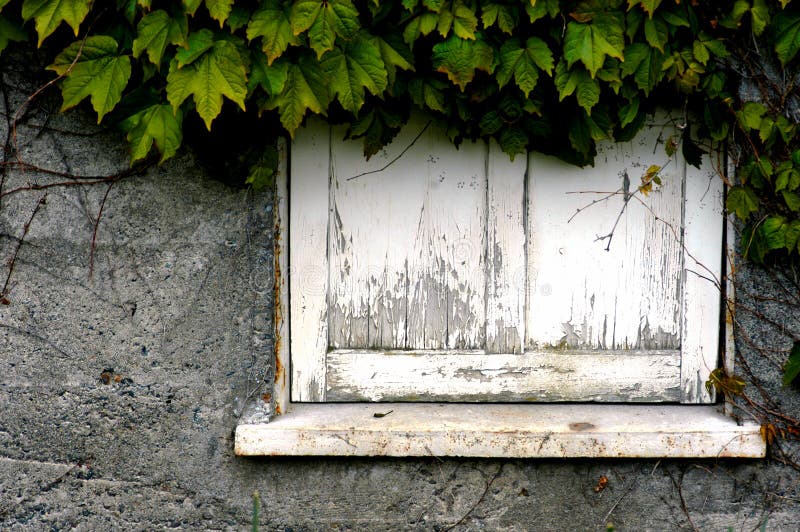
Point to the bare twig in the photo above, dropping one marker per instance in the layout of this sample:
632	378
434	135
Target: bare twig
390	163
37	92
593	202
614	506
94	229
480	499
13	260
683	501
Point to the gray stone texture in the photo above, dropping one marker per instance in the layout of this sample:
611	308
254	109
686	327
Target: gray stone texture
121	383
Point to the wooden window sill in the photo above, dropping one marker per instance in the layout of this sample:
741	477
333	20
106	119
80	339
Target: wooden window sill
502	431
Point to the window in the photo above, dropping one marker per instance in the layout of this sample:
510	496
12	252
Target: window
469	295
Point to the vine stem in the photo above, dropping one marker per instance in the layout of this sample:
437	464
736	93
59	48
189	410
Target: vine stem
13	260
479	501
390	163
40	90
96	224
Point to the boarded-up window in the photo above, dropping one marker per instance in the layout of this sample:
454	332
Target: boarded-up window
431	273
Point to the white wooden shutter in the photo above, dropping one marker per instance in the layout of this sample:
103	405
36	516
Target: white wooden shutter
431	273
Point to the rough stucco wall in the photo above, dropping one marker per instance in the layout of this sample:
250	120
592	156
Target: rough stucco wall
179	306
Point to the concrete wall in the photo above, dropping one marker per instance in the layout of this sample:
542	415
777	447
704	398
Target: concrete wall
120	386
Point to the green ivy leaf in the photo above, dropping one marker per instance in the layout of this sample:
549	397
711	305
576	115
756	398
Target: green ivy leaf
10	32
219	72
461	19
99	73
272	24
715	46
157	124
759	14
773	232
700	52
629	112
271	78
377	127
580	136
505	16
324	20
433	5
742	201
792	236
769	235
591	43
792	200
538	9
49	14
155	31
611	75
579	82
787	178
306	89
785	128
459	58
420	25
656	33
714	84
787	35
428	93
751	115
691	152
645	64
198	43
791	370
262	172
675	18
523	64
648	5
394	54
351	69
734	18
219	10
190	6
238	18
491	123
513	141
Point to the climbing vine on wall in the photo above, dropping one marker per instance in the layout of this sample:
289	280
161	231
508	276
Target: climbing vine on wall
546	75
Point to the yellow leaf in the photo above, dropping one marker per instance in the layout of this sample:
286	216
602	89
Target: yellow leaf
651	173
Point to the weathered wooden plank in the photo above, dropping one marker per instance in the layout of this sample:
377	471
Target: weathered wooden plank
471	376
377	209
351	207
280	390
502	431
308	261
579	293
424	253
505	252
446	268
703	234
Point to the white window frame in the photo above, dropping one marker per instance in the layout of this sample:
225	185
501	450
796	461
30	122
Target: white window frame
289	428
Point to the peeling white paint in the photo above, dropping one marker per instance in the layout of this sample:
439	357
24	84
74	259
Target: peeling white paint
474	376
461	251
582	296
